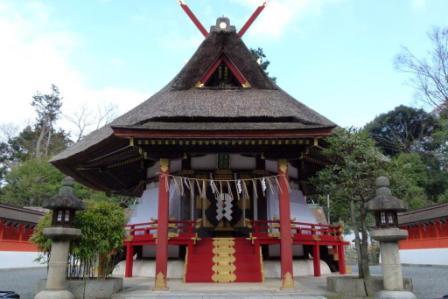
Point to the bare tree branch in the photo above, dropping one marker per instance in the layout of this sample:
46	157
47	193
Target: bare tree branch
429	76
86	120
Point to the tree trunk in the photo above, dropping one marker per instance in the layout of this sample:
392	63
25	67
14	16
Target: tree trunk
364	241
357	240
47	146
40	140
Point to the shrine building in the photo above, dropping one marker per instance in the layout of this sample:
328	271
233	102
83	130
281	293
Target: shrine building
16	227
427	241
221	159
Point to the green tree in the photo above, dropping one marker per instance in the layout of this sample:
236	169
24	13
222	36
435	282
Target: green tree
30	182
102	226
48	109
409	176
404	129
440	141
354	164
23	146
261	59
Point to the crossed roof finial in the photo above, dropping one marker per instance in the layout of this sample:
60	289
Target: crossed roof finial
204	31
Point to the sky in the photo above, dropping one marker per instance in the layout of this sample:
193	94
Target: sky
335	56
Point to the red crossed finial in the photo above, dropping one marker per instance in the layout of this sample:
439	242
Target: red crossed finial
204	31
252	18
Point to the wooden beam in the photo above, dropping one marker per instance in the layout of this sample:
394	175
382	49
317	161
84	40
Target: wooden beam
193	18
252	18
142	133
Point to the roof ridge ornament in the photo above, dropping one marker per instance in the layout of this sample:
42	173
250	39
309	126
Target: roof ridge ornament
222	23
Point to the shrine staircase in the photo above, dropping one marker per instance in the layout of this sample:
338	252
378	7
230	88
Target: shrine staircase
224	260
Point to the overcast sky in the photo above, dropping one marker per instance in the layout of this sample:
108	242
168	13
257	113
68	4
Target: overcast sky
336	56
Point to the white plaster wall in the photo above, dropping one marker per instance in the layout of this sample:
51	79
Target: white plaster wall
205	162
152	171
299	208
175	165
430	256
271	165
146	209
274	250
16	259
242	163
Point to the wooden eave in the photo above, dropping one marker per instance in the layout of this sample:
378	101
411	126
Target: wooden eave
222	134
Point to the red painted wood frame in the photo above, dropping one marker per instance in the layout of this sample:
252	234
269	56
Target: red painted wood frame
139	234
285	226
193	18
425	235
314	235
235	71
162	227
251	19
15	237
316	259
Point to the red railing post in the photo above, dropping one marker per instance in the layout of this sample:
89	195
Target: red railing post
341	259
316	259
129	259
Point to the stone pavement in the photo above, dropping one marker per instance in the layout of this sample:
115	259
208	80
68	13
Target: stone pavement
306	288
22	281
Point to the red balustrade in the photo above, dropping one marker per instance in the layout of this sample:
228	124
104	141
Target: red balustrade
180	232
302	233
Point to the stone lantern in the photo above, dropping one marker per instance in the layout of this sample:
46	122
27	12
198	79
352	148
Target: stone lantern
64	206
385	207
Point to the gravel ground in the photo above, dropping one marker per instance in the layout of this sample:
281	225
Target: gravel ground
429	282
22	281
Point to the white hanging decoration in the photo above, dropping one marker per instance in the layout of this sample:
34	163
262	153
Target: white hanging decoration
228	206
219	208
229	189
176	185
238	187
203	190
186	182
263	185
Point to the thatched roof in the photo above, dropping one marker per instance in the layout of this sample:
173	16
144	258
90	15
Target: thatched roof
180	105
180	98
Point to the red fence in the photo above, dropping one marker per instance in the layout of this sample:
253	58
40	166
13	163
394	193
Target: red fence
179	232
433	234
268	232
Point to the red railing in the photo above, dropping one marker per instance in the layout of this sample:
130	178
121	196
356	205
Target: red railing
302	233
146	232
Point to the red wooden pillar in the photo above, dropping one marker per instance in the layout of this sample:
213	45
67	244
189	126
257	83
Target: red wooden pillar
285	226
341	259
129	259
316	259
437	228
162	227
420	231
2	225
20	232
